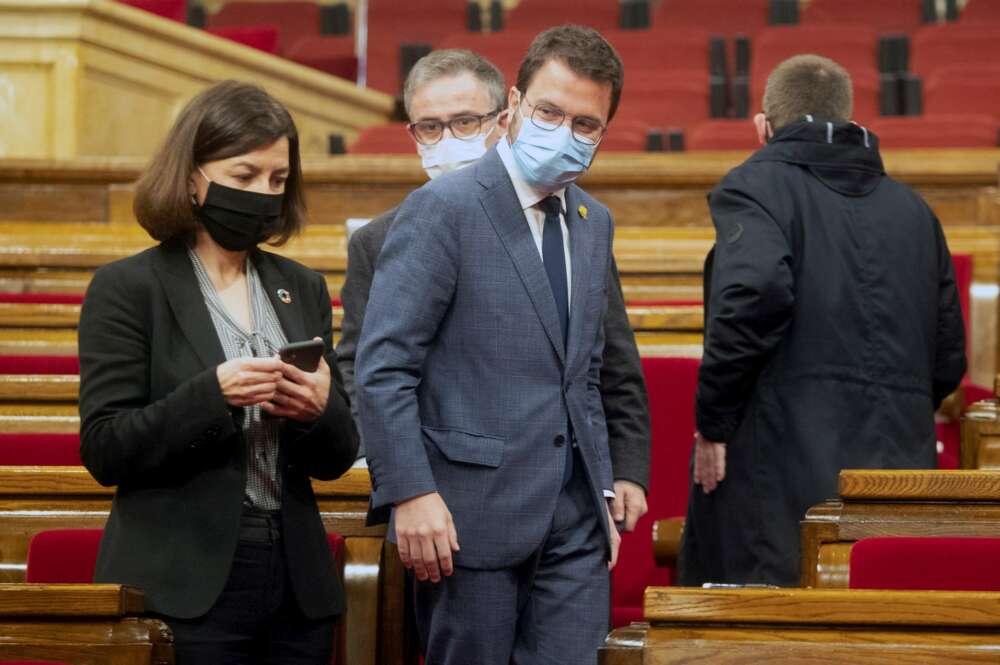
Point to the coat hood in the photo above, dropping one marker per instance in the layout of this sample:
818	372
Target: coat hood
843	156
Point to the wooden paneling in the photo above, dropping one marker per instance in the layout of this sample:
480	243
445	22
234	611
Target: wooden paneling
39	388
747	626
99	78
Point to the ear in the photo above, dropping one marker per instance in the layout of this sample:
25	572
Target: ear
760	123
513	99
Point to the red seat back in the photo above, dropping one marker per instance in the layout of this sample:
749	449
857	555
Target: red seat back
389	138
727	17
936	131
291	19
175	10
954	44
63	556
884	15
722	135
980	11
537	15
28	364
40	450
671	384
961	89
504	49
261	37
930	564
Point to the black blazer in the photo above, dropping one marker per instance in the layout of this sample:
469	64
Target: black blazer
154	423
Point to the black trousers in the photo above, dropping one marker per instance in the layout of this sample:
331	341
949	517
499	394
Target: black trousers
256	620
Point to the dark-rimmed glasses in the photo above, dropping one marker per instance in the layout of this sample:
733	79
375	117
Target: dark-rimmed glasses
585	129
464	127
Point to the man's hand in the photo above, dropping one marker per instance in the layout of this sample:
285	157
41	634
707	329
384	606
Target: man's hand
426	537
616	540
629	503
709	463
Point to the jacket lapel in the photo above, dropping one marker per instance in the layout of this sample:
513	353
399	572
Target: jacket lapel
507	217
174	270
273	280
579	254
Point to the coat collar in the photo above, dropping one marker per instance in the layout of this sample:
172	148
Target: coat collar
500	202
174	270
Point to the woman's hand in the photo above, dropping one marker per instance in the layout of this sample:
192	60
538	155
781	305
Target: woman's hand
300	395
249	381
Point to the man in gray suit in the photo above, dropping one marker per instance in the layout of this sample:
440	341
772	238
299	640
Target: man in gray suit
454	99
478	378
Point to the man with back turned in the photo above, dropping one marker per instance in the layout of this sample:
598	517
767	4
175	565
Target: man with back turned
833	330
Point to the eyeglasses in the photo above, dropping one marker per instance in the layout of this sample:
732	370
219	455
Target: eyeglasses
585	129
464	127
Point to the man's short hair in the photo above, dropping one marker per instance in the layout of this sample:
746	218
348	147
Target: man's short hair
808	85
583	50
453	62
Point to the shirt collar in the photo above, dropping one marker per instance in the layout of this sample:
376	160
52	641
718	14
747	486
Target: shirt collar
527	195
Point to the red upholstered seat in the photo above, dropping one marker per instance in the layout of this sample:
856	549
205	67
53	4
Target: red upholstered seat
504	49
292	19
930	564
333	54
625	136
671	385
40	449
537	15
662	52
728	17
980	11
883	15
722	135
175	10
963	89
936	131
664	101
261	37
854	47
37	298
63	556
954	44
391	138
39	365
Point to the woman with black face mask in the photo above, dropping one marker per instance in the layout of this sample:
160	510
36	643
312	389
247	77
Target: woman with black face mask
186	407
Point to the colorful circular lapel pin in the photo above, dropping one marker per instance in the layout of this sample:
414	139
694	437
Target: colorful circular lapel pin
284	296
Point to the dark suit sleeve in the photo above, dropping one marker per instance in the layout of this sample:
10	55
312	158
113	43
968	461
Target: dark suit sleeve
326	448
623	391
354	297
124	437
750	305
949	356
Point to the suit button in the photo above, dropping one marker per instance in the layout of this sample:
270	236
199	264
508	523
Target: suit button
559	441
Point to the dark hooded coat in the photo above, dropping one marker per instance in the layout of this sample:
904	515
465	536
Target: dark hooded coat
833	332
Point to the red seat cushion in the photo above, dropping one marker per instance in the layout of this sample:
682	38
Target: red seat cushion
671	384
929	564
63	556
39	364
936	131
389	138
175	10
40	450
261	37
327	53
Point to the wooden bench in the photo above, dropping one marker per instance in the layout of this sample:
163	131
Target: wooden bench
100	624
981	433
894	503
34	499
689	625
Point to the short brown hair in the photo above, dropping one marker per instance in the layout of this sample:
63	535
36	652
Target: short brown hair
226	120
452	62
583	50
808	85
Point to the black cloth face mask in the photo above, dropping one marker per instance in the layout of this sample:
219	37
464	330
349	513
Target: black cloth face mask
239	220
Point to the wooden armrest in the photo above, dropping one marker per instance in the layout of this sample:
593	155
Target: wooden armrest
69	601
667	540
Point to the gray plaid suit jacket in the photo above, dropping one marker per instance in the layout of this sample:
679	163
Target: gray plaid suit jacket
462	381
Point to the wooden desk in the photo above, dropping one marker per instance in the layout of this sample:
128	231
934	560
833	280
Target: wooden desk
732	626
894	503
34	499
99	624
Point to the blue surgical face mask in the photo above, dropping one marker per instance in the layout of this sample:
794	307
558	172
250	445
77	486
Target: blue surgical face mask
550	160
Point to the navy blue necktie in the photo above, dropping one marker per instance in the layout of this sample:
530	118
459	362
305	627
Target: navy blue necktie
554	258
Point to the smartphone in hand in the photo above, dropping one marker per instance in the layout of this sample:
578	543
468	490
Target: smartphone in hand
304	355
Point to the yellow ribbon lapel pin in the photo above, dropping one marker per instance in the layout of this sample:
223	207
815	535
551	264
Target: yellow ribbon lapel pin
583	211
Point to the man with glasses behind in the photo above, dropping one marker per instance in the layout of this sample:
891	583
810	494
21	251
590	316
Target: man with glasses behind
454	99
478	378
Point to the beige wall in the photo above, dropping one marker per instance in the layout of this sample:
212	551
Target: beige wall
94	78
